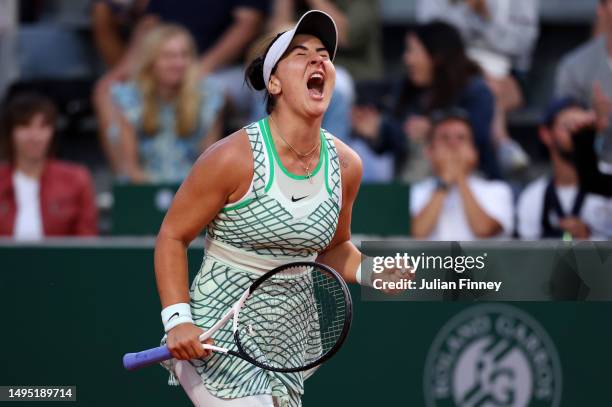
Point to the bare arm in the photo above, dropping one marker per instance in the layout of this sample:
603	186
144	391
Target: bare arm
213	181
425	221
106	112
480	222
512	33
246	26
445	165
342	22
106	34
283	13
341	254
122	68
129	157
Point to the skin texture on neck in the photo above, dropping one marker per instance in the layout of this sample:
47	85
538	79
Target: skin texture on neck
301	132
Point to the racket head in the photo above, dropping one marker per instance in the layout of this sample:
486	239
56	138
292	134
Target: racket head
296	317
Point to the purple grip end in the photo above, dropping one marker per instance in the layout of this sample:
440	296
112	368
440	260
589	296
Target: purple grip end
133	361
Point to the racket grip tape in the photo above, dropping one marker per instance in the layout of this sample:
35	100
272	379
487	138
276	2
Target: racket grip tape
133	361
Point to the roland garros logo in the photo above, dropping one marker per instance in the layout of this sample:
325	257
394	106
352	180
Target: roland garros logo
492	356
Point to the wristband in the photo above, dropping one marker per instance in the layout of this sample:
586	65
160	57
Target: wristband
359	278
358	275
176	314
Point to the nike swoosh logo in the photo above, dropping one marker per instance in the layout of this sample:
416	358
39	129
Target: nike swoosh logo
176	314
297	199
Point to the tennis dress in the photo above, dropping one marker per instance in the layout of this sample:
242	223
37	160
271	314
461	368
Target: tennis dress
281	219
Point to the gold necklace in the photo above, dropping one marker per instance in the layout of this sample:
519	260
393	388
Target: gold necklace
307	169
299	155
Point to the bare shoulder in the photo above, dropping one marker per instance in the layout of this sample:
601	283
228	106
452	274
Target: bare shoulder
351	167
228	154
227	162
230	150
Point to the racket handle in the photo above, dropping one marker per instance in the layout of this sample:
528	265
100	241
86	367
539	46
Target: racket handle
214	348
133	361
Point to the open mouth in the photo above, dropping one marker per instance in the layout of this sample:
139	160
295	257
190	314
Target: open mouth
315	85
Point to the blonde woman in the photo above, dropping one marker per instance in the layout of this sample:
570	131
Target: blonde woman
167	114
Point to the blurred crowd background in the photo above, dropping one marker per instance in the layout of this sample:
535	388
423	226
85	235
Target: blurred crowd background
495	112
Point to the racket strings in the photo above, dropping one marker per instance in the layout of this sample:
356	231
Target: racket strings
331	309
293	322
276	325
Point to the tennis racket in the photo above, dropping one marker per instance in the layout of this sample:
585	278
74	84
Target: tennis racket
290	319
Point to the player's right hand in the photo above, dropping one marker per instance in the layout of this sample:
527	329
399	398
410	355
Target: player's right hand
184	342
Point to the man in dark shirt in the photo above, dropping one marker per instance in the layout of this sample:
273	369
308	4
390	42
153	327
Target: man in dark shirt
564	204
222	29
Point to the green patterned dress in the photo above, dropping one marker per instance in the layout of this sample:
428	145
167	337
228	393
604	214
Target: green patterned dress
266	228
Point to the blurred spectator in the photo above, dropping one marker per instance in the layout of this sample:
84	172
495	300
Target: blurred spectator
593	159
439	76
368	119
40	196
121	71
8	44
43	26
585	74
500	35
168	114
112	25
456	204
359	31
223	30
558	205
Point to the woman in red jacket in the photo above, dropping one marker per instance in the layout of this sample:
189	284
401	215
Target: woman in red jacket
40	196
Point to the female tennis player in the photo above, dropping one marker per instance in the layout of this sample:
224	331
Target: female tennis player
277	191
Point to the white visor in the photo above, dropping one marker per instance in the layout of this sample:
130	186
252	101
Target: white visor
314	22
